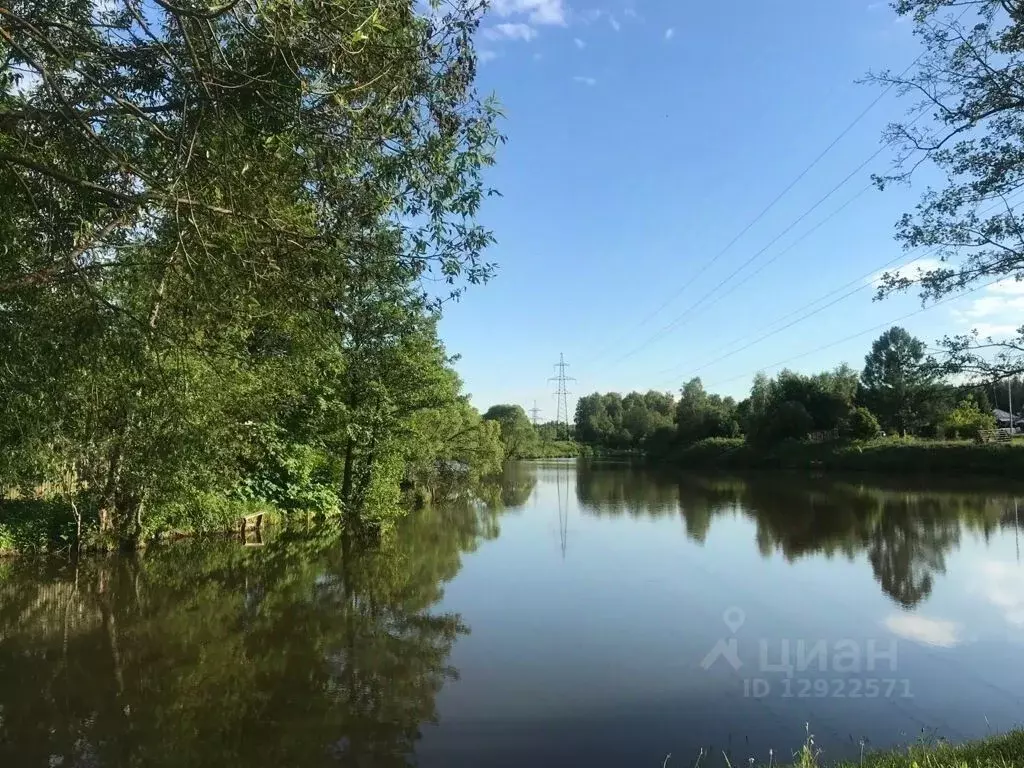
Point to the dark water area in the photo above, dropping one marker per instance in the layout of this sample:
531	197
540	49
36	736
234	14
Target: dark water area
599	615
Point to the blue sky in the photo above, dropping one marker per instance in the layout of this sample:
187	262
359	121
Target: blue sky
643	137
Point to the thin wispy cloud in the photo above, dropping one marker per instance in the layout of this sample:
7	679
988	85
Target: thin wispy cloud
537	11
579	43
921	629
484	55
588	81
630	13
670	33
614	23
997	312
912	270
1003	586
510	31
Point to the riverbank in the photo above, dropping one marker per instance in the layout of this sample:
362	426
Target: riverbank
897	455
1003	751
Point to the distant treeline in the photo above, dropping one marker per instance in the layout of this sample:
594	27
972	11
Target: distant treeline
898	392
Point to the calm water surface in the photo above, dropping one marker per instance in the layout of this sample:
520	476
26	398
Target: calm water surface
597	615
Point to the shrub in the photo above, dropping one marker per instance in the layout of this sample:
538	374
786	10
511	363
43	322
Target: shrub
790	421
861	424
966	420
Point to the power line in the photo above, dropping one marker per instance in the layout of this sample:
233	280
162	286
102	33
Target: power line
858	280
678	320
856	335
785	191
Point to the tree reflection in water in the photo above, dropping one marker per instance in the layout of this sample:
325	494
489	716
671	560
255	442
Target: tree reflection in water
306	651
905	535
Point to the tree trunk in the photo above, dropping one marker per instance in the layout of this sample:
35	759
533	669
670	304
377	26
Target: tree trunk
107	501
346	483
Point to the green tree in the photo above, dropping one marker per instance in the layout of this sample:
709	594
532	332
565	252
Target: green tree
700	415
518	436
221	221
897	380
968	125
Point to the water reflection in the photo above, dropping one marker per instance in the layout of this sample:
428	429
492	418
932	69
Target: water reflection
904	532
589	629
303	652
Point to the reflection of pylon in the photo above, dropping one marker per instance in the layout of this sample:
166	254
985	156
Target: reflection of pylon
563	510
562	395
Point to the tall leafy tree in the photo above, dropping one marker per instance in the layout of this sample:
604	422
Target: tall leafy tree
968	124
518	437
221	222
897	379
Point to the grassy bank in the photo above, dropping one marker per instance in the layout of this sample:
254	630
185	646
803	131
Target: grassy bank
883	455
995	752
32	526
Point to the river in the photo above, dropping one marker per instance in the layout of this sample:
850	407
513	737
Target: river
589	614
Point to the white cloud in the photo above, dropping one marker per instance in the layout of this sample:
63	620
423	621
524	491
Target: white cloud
995	330
510	32
878	6
483	56
585	80
920	629
1010	287
615	24
670	33
579	43
911	270
1003	586
538	11
992	306
999	311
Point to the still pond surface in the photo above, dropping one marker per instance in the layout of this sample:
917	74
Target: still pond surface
596	615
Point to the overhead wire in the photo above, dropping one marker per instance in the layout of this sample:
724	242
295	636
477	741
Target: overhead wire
852	336
859	281
800	176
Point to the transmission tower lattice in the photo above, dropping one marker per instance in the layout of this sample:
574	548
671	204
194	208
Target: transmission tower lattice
562	394
535	413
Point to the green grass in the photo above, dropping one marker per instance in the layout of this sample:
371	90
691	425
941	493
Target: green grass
996	752
1004	751
907	456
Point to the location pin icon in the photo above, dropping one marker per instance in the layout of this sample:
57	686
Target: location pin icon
734	618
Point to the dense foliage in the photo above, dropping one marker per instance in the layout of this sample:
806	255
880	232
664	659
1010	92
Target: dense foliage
219	228
900	392
966	123
622	423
